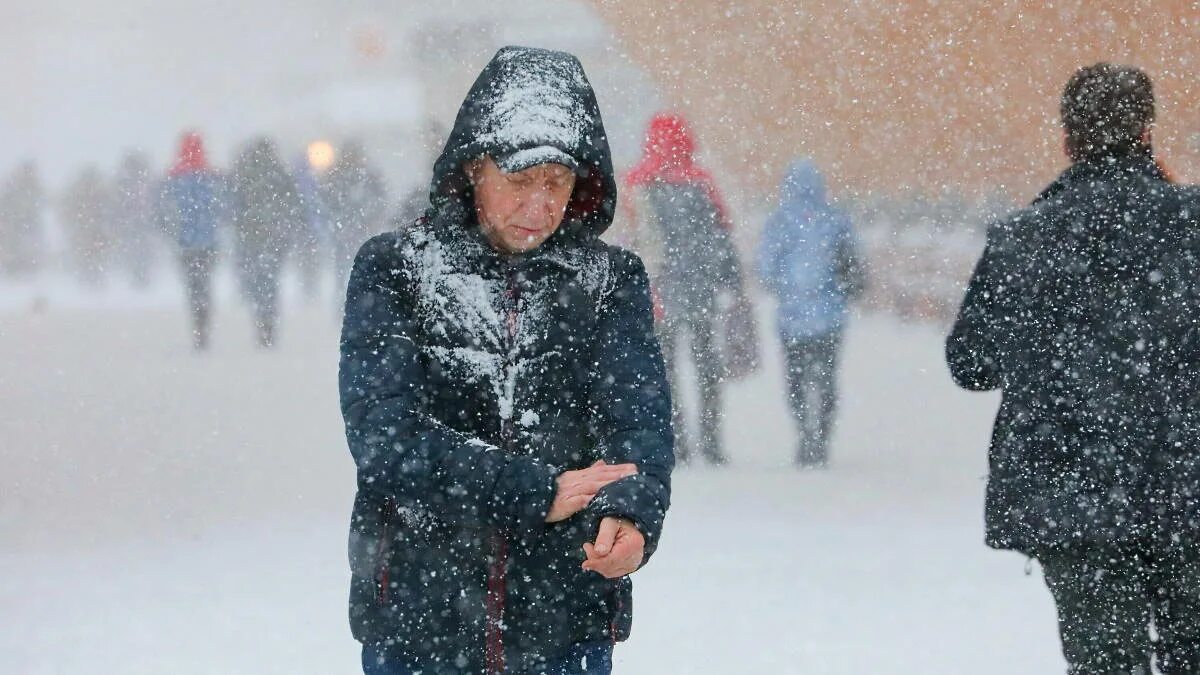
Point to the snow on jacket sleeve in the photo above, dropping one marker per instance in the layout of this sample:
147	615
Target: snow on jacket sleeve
400	448
972	349
631	404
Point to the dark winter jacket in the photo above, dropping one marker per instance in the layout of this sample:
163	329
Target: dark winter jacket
686	227
355	198
1083	312
470	380
266	204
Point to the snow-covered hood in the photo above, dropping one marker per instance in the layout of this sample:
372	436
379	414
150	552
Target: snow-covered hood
530	98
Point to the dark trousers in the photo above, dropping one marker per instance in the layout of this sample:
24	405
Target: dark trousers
197	274
261	271
697	328
1109	602
812	364
587	658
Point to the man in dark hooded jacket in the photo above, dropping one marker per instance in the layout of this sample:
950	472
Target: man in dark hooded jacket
505	398
1083	311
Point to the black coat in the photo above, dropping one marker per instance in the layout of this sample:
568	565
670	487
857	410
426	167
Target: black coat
469	381
1083	310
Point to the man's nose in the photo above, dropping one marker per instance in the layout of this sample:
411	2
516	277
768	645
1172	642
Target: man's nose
540	205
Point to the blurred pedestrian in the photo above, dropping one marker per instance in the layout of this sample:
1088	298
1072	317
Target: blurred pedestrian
86	212
683	230
266	212
809	260
356	200
190	208
137	238
22	223
311	243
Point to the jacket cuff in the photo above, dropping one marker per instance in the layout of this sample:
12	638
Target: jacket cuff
523	495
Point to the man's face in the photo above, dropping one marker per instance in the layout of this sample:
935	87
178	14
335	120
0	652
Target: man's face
519	211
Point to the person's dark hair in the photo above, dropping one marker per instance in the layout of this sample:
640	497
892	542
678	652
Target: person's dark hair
1106	109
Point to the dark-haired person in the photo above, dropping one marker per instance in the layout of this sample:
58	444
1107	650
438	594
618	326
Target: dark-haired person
1083	311
505	398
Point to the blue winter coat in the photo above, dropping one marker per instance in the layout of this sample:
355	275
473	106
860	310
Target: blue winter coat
192	205
798	255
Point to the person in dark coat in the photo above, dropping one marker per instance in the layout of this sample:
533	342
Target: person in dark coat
684	228
266	214
505	397
310	247
86	212
808	259
356	205
134	219
190	209
1082	312
22	230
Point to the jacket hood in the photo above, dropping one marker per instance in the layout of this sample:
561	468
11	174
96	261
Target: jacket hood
668	153
525	100
803	186
191	157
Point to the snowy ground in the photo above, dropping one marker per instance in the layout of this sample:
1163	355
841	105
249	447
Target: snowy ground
166	512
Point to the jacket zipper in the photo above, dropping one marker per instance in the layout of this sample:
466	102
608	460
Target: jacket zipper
382	566
496	586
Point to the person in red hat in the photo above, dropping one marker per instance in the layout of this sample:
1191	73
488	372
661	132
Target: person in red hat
190	206
682	228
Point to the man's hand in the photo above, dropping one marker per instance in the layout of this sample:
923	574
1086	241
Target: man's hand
618	550
575	489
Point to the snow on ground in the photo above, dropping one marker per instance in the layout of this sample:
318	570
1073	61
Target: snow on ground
162	511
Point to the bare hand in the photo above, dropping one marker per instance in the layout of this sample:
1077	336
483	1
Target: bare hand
618	550
574	490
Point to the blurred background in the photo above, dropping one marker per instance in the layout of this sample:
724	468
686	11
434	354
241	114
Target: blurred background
165	508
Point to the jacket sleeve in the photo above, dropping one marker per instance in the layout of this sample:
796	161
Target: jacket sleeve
973	347
630	402
398	444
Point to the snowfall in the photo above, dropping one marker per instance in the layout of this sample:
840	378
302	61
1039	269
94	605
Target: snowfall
167	512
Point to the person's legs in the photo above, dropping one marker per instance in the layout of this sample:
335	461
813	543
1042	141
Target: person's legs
197	270
1177	617
1103	611
802	389
269	302
708	375
668	337
263	280
824	367
585	658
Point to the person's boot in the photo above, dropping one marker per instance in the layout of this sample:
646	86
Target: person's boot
712	452
811	456
266	335
200	331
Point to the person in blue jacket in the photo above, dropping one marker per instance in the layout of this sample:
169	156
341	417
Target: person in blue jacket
191	207
808	259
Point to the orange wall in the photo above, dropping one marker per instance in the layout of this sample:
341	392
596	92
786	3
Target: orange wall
891	95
